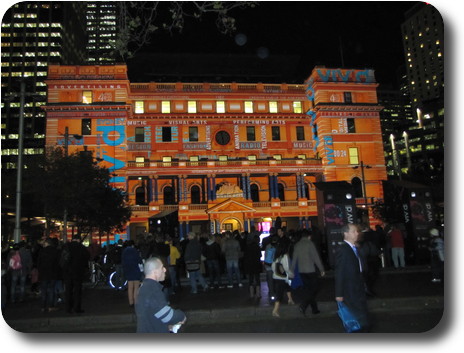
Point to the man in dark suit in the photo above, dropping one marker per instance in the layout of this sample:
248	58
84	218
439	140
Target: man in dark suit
349	282
74	274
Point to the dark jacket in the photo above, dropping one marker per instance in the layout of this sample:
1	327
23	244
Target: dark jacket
131	260
349	282
153	311
79	261
47	264
193	251
252	260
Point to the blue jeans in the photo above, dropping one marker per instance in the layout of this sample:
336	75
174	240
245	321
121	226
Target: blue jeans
214	272
22	284
194	276
48	293
232	267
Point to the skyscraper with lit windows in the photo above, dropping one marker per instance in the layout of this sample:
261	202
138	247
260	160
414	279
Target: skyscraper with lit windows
34	34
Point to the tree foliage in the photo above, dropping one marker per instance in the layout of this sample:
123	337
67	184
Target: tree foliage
138	20
76	183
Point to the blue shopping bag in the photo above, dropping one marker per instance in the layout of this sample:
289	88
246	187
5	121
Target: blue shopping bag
349	320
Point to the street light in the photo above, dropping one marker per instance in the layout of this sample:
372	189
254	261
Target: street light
363	180
65	215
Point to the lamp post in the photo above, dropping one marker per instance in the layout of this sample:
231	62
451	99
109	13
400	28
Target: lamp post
362	165
17	230
65	213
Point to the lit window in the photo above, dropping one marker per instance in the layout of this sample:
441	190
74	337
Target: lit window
139	107
192	107
277	157
248	107
301	156
139	161
87	97
165	107
220	107
353	154
272	107
297	107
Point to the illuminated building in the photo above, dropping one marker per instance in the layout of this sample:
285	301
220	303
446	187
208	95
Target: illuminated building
223	156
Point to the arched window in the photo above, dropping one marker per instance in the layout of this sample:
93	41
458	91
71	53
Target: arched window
169	196
281	191
195	195
254	190
357	186
140	196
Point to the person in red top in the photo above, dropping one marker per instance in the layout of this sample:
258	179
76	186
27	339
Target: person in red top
397	245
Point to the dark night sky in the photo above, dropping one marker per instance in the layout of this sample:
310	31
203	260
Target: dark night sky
309	32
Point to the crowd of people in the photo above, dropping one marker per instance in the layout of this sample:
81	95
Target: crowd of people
56	272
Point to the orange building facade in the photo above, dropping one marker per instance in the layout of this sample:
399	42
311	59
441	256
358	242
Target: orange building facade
222	156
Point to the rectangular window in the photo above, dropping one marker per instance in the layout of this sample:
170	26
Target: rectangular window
193	133
166	135
347	96
301	156
139	161
223	160
139	107
248	107
139	134
353	154
86	127
191	107
275	133
297	107
350	125
252	159
194	160
166	107
277	157
272	107
251	136
87	97
220	107
300	134
167	161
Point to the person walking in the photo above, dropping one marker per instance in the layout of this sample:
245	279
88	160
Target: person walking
75	264
306	259
282	275
349	281
132	267
154	314
47	266
192	257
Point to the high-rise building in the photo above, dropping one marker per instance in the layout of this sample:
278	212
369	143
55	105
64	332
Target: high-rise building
101	30
34	34
423	40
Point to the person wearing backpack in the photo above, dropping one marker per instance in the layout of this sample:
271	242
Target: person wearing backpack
19	267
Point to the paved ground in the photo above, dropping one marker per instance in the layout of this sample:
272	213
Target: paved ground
403	290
